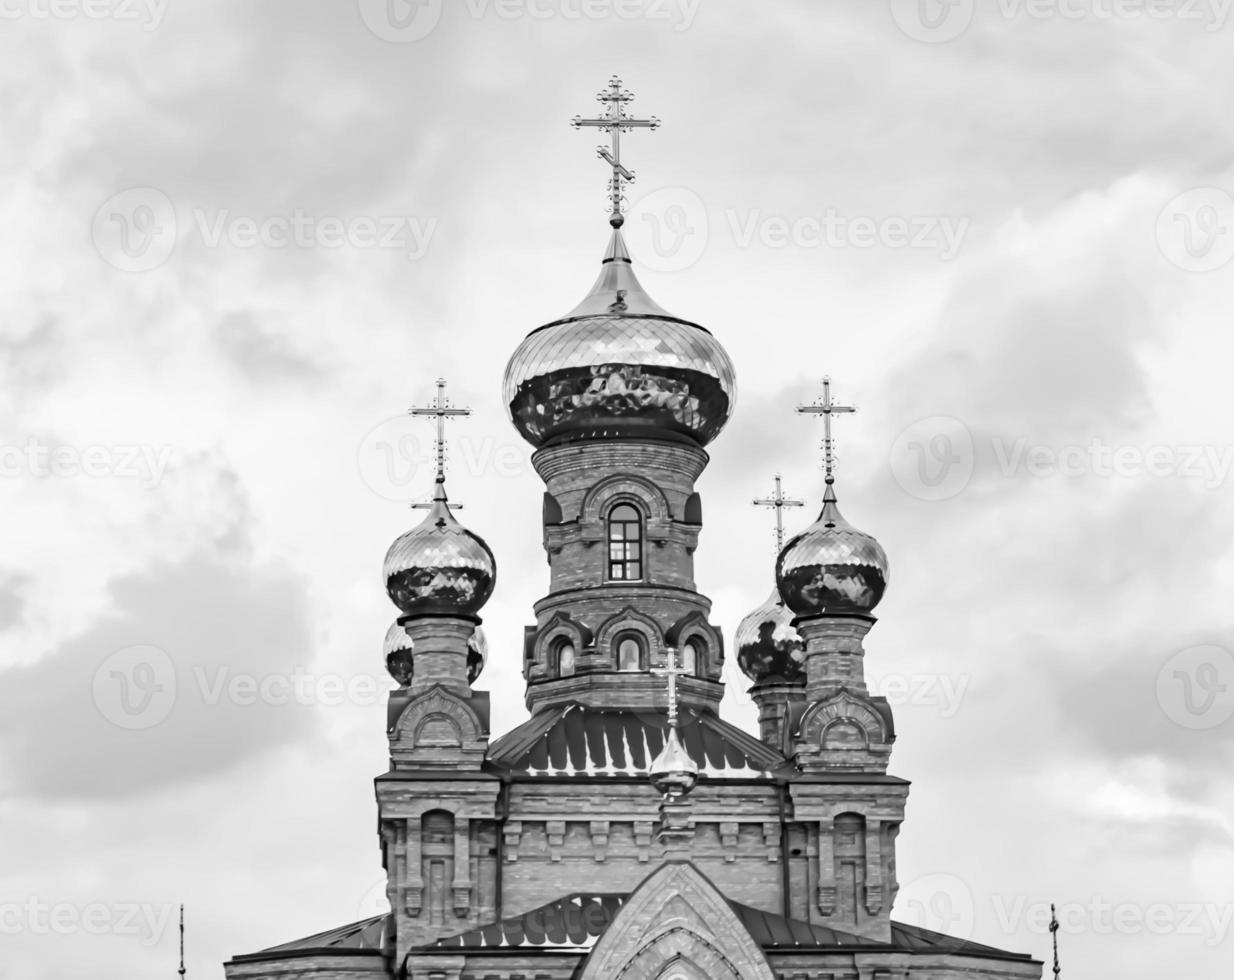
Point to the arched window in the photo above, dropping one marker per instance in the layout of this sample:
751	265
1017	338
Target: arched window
625	543
565	658
689	657
629	653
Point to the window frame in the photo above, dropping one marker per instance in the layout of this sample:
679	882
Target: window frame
625	564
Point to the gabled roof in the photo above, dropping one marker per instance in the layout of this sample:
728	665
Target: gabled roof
573	924
576	740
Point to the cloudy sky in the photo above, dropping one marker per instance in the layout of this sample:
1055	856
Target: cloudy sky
240	239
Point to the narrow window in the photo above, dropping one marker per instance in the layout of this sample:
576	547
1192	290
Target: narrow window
629	654
625	543
565	659
689	658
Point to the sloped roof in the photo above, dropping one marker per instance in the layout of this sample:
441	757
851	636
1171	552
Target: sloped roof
365	938
573	924
576	740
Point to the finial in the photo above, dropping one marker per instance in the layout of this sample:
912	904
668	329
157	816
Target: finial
778	501
673	772
1054	934
615	121
181	970
826	407
441	410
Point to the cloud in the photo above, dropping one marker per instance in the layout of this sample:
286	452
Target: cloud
200	623
259	352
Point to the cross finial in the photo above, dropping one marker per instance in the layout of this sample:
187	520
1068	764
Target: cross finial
181	970
778	501
1054	934
826	408
671	671
616	121
440	409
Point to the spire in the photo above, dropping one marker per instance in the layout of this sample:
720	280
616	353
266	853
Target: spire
1054	935
778	502
615	121
181	970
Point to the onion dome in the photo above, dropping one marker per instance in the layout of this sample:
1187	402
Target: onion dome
477	654
831	567
400	664
397	649
619	365
673	773
768	646
439	567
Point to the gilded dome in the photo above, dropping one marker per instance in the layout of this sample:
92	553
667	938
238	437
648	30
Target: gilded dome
831	567
400	661
618	364
768	647
439	567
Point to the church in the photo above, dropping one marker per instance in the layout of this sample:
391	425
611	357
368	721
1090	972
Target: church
625	829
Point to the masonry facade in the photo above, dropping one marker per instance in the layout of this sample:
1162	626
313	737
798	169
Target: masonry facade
543	853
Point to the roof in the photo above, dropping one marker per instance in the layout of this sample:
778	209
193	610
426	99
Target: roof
365	938
573	924
576	740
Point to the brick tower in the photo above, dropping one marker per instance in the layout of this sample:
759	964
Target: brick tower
623	831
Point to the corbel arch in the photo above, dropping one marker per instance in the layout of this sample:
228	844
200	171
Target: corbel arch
709	641
561	628
628	620
625	488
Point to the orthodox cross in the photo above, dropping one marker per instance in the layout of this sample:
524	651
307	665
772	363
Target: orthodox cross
826	408
671	672
181	970
778	501
616	122
441	410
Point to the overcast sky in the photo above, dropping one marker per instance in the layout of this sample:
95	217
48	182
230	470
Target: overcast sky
240	239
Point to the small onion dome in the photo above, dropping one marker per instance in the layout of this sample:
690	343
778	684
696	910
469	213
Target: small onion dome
439	567
477	654
673	772
398	654
400	663
619	365
831	567
768	647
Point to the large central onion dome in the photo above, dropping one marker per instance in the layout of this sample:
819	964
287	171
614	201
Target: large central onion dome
768	646
831	567
618	364
439	567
